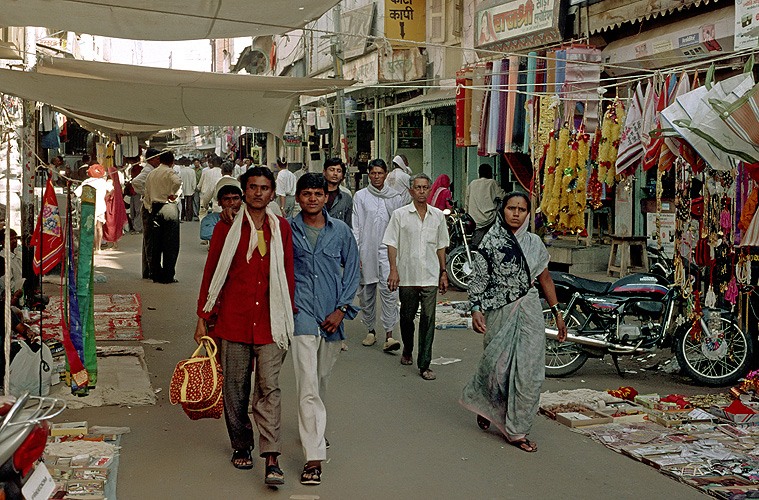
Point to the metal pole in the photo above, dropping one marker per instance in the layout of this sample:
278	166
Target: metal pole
7	257
28	161
337	62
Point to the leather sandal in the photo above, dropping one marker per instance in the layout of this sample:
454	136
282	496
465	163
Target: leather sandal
243	454
311	475
274	475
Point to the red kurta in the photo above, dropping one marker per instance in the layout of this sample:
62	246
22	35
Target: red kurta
242	309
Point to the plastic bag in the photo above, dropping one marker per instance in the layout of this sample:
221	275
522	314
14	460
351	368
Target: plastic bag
26	368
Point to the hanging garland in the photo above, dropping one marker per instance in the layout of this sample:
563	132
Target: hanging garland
577	213
549	170
611	131
594	184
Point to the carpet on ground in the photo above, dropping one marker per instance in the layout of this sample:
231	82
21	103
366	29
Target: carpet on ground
117	317
123	379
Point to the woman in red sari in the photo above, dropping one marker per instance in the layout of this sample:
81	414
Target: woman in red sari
440	193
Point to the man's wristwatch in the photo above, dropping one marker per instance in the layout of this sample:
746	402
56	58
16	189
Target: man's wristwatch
344	309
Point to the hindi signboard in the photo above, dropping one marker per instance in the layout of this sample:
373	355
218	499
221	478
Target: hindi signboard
518	24
746	24
405	21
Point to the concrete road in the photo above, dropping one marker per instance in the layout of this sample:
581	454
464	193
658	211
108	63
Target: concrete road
393	435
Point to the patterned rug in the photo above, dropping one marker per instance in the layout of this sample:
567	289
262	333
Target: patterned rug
117	317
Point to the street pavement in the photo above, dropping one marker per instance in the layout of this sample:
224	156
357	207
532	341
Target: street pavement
393	435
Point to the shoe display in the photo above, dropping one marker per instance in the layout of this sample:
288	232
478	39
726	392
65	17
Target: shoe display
370	339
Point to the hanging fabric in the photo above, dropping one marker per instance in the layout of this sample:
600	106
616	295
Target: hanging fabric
48	235
580	91
460	109
73	341
482	148
494	112
512	88
85	281
503	108
477	98
531	124
630	145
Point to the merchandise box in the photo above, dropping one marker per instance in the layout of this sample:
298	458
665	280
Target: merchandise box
583	418
675	418
625	412
735	418
68	429
647	400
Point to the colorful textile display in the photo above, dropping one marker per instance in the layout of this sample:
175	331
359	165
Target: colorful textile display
48	235
73	341
85	281
630	145
582	78
115	211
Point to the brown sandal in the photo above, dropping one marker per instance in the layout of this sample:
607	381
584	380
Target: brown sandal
311	475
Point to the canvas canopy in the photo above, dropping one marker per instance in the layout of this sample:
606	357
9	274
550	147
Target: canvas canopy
165	19
139	98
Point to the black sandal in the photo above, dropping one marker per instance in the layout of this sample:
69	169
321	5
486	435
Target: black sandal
243	454
274	475
311	475
483	422
524	444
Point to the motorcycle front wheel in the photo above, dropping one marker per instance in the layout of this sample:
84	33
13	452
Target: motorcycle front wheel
565	358
717	355
458	268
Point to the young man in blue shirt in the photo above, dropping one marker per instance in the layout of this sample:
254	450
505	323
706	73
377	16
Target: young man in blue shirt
326	279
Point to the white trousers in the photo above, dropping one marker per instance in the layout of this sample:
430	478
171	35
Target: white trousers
313	359
367	296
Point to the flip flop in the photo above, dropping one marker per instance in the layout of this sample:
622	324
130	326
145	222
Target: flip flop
524	444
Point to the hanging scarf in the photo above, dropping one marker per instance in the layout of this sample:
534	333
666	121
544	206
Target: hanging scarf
85	282
280	304
115	213
501	274
73	341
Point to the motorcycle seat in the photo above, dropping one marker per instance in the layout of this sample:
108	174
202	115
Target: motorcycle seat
580	284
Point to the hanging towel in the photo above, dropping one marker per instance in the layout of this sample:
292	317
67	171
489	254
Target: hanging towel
630	145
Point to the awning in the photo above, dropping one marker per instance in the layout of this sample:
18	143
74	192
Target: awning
435	98
677	43
610	14
136	96
165	19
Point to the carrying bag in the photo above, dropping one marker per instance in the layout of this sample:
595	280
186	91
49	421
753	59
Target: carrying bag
196	383
693	117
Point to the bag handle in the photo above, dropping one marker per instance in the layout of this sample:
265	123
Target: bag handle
709	82
210	347
712	142
749	67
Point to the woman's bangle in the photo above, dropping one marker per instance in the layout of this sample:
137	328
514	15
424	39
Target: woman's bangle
475	308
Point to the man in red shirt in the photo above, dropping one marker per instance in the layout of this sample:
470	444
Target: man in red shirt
254	318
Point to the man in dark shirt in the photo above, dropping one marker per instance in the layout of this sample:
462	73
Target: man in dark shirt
339	201
249	311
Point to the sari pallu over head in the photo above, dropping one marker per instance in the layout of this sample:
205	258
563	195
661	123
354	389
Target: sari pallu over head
501	274
440	192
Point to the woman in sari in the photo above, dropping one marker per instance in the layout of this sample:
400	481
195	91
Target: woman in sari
505	389
440	193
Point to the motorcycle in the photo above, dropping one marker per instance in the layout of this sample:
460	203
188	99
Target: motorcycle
23	436
638	314
458	262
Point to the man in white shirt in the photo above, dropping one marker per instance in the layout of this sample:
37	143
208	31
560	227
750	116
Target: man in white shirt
138	184
372	208
162	188
416	239
398	178
189	183
286	181
207	185
480	201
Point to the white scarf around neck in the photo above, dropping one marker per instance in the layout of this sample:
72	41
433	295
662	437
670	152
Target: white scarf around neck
280	305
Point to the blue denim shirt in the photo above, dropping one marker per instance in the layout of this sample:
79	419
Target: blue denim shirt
326	277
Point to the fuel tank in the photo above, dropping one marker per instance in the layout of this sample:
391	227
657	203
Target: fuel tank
644	285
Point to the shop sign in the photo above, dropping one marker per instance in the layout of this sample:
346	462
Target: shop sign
394	66
293	141
405	21
746	24
518	24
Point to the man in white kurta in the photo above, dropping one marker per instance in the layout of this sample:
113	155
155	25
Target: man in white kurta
399	177
286	189
372	208
207	184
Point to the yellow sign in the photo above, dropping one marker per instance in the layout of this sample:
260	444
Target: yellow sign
405	21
